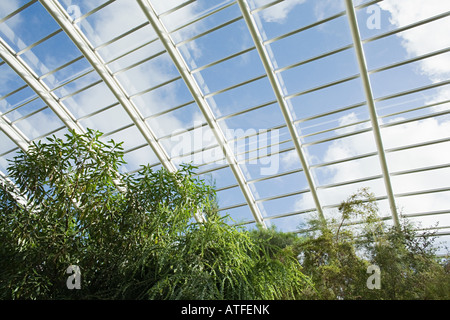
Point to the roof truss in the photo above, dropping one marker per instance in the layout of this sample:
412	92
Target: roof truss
203	105
263	54
351	15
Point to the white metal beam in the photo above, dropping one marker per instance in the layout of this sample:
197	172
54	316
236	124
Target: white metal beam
351	15
12	189
14	134
264	55
26	73
82	43
23	143
195	90
78	38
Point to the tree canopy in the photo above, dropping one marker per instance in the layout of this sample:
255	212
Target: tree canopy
134	236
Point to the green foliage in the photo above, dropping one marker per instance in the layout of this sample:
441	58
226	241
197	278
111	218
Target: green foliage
336	255
133	236
277	271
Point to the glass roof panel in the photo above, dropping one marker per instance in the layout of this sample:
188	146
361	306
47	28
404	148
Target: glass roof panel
163	98
239	214
69	72
289	223
142	39
77	85
5	158
253	94
426	180
233	72
419	157
335	195
77	8
278	186
107	120
311	43
426	203
289	16
346	171
20	103
8	7
434	98
6	144
44	59
416	132
39	124
328	99
199	17
331	125
130	136
112	21
230	197
404	77
294	204
217	45
308	47
10	81
162	6
15	30
243	124
176	121
85	103
148	74
137	158
221	178
134	57
320	72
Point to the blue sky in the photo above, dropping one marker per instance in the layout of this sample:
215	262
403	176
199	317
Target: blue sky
155	88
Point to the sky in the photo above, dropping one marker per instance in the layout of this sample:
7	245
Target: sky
164	101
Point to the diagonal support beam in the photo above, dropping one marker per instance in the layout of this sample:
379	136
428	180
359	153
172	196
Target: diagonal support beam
23	143
11	188
14	191
25	72
14	134
195	90
264	55
78	38
351	15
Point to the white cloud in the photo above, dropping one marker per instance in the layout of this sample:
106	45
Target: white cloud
415	132
426	38
417	41
325	8
279	12
7	7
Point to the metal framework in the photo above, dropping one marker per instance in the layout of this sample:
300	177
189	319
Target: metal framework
281	101
203	105
14	134
371	104
24	71
61	16
22	142
320	128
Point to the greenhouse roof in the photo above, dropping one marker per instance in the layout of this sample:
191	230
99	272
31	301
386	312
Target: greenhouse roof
287	106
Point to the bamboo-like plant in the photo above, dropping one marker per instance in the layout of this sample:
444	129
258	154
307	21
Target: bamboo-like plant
132	236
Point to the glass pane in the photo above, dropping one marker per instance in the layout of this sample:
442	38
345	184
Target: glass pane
39	124
16	30
42	58
112	21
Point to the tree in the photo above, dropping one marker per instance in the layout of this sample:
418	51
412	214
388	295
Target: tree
336	254
132	236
